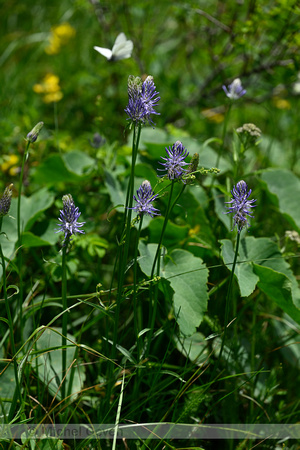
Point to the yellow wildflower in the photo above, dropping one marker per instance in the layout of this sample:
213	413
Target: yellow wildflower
55	97
214	114
194	231
64	31
60	35
10	164
50	88
281	103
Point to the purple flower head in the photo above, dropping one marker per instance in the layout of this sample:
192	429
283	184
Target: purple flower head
235	90
145	197
68	218
142	99
5	201
175	161
240	205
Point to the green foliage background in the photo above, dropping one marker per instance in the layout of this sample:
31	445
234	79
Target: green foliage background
191	49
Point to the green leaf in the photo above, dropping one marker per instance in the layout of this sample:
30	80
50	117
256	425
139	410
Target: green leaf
116	192
243	271
54	170
279	288
187	276
173	235
286	186
33	206
7	388
48	364
30	240
220	208
193	347
261	262
78	162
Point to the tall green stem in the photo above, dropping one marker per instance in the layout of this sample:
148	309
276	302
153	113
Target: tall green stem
135	284
20	256
253	345
64	317
227	307
11	332
123	255
226	120
156	260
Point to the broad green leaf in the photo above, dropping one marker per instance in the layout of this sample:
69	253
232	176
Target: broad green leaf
49	234
187	276
220	208
174	233
199	195
78	162
31	208
243	271
54	170
193	347
285	332
7	388
279	288
209	158
255	255
286	186
30	240
114	188
146	172
49	363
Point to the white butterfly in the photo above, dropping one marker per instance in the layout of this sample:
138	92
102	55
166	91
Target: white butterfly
122	49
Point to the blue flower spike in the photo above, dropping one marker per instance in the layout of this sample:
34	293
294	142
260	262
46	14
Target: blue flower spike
144	199
174	163
69	219
142	100
240	205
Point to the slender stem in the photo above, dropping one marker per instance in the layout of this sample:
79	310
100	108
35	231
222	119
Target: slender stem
20	191
128	213
129	196
168	212
226	120
227	307
64	317
123	253
20	256
135	284
11	331
156	260
253	345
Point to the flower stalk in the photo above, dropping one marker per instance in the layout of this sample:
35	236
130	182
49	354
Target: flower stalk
70	226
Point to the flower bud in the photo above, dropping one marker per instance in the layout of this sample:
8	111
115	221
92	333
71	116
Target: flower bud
33	134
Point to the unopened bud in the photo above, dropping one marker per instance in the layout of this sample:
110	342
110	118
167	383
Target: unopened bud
33	134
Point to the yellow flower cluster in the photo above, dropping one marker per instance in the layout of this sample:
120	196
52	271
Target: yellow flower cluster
10	164
50	88
214	114
281	103
60	35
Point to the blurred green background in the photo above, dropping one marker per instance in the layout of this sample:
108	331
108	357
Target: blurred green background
191	48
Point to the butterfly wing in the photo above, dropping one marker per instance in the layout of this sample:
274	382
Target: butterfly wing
105	52
122	48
